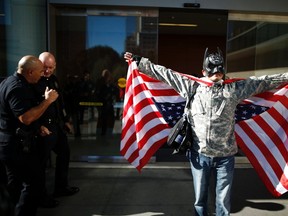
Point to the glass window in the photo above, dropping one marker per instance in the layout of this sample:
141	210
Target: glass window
257	44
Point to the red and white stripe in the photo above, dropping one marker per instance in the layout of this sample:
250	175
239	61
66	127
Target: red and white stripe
263	139
144	130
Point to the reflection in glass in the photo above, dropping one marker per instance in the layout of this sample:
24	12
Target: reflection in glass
256	47
89	46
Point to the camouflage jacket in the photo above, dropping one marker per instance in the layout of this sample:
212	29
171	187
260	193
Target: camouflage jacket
213	108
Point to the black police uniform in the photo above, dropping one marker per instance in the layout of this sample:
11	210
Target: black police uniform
19	154
54	119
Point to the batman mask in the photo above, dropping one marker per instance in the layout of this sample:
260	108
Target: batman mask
213	63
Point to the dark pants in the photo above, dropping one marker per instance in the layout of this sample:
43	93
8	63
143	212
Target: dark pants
24	181
3	176
58	143
106	120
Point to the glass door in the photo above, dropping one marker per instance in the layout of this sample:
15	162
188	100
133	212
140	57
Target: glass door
89	45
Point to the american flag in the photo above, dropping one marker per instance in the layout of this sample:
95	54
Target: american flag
144	129
151	108
261	132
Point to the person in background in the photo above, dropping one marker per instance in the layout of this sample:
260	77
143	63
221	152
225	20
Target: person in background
212	121
56	120
19	129
72	99
107	93
121	88
86	88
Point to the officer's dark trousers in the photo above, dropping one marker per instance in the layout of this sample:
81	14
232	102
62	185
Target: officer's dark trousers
3	176
23	173
58	143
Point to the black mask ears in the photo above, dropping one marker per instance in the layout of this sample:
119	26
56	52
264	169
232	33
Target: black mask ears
213	62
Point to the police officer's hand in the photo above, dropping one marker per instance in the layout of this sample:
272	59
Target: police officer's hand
51	95
44	131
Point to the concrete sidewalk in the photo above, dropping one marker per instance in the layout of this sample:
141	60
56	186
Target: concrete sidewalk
160	189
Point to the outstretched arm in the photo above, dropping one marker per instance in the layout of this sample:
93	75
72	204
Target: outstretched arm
131	57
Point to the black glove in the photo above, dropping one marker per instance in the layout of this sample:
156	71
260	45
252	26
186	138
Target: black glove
136	58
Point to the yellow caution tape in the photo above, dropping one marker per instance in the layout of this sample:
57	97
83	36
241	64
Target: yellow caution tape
90	104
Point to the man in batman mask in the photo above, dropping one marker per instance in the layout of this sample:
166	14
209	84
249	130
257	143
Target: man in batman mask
211	115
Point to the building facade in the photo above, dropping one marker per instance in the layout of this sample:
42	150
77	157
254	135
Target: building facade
92	35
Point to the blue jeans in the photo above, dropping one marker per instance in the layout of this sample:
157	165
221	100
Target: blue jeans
223	169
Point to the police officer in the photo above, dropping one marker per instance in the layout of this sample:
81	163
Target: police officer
19	129
56	120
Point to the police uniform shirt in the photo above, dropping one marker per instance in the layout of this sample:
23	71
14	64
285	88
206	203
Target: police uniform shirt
54	113
16	98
